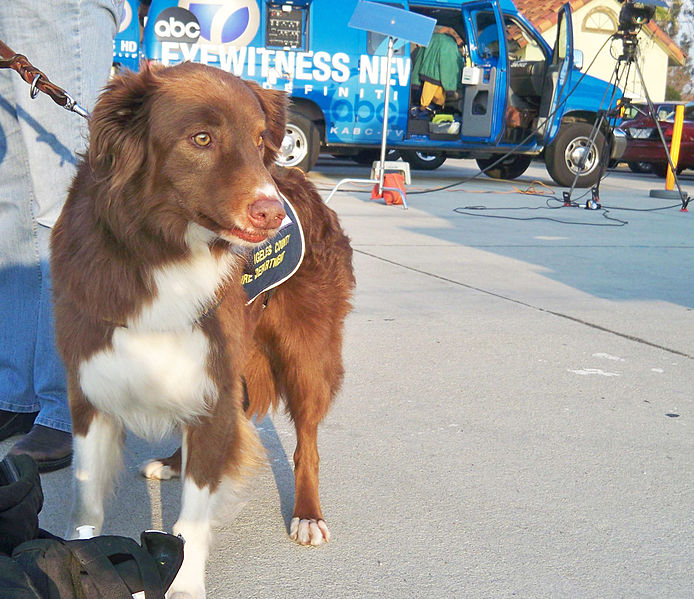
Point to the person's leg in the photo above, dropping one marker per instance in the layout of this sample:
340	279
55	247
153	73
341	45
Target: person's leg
50	383
49	441
432	94
20	275
71	42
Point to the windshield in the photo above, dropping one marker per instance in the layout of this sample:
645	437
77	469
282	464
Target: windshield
670	116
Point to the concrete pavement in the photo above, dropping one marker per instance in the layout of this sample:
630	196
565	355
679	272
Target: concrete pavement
517	416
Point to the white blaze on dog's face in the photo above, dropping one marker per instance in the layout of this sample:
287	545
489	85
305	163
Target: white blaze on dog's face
199	141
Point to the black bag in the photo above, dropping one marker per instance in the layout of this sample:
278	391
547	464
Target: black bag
44	566
107	567
15	582
21	500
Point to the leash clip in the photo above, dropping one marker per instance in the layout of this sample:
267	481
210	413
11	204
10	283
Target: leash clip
34	90
73	106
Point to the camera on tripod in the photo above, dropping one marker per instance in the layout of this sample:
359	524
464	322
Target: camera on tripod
636	13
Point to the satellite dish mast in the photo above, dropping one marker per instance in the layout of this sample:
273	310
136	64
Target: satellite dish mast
396	24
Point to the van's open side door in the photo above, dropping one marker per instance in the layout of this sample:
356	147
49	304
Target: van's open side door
557	84
484	101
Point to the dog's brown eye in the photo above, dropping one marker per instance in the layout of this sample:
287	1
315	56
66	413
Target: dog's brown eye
261	144
202	139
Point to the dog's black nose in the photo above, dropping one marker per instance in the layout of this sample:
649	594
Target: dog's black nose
266	213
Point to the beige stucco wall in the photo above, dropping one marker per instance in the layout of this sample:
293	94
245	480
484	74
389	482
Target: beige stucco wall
653	59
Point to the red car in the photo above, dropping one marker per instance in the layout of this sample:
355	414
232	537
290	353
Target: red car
645	152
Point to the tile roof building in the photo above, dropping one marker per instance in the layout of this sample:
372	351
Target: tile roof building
593	22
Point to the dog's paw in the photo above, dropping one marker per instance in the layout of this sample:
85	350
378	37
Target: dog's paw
309	532
158	470
181	588
184	595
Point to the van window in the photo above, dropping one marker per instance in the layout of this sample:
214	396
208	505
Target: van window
522	44
286	26
377	43
664	112
560	48
487	35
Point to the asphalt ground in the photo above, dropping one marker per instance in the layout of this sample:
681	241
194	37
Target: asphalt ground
517	416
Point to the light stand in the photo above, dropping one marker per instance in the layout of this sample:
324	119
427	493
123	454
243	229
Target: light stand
381	162
384	133
396	23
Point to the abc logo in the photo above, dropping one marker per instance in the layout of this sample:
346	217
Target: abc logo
176	24
234	22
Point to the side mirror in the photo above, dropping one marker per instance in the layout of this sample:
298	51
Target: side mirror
578	59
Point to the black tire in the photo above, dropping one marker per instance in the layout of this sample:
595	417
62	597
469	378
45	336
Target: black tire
511	167
367	157
640	167
301	144
563	154
660	170
423	161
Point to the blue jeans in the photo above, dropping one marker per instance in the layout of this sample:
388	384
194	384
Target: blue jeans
71	41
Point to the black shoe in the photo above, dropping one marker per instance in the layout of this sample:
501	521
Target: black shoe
13	423
50	448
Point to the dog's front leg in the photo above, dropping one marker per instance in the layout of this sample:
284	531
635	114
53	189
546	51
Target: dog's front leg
307	410
216	453
97	458
194	525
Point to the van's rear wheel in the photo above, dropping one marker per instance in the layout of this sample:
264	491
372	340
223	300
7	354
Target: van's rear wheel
301	143
423	161
369	156
640	167
509	168
563	156
660	169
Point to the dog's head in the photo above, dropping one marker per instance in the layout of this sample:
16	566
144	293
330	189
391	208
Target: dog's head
187	144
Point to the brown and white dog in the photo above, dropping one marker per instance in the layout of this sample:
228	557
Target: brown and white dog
151	319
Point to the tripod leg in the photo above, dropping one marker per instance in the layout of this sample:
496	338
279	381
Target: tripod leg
684	197
603	160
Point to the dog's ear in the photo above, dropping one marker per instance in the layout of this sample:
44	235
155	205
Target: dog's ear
118	131
274	104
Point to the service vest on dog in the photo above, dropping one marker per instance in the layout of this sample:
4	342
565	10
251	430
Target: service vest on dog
277	259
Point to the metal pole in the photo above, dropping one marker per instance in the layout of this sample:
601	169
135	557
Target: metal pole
389	61
675	146
384	133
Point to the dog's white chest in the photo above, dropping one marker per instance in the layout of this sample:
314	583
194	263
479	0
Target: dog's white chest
155	374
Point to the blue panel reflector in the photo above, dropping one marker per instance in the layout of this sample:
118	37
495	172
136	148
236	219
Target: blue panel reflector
394	22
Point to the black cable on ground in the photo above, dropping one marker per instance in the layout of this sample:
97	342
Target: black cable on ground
465	210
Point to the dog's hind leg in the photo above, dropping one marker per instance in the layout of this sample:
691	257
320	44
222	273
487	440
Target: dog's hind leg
170	467
163	468
97	458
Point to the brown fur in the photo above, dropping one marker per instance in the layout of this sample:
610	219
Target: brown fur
127	215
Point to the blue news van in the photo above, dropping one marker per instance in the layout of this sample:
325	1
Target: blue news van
516	92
